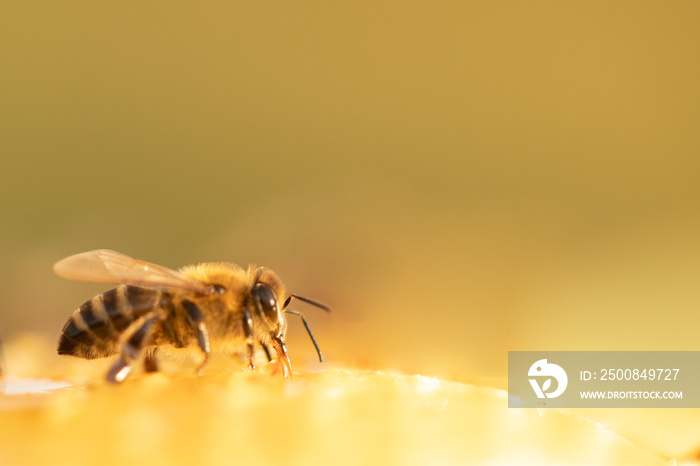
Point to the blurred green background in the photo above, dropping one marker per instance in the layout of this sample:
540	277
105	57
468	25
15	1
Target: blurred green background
458	179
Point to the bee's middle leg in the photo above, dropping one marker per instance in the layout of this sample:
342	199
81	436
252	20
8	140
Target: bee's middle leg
196	321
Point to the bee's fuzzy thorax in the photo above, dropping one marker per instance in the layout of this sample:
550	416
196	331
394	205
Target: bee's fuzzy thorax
217	273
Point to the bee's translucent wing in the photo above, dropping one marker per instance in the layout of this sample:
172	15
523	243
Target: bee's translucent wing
106	266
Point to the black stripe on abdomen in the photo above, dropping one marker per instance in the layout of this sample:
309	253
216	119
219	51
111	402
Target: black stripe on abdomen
89	333
118	309
141	300
75	339
96	319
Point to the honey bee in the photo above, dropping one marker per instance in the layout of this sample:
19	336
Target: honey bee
209	306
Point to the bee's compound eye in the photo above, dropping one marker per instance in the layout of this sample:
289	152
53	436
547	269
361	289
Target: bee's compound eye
265	300
217	289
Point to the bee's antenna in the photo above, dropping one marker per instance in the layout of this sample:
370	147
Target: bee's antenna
306	300
297	313
308	329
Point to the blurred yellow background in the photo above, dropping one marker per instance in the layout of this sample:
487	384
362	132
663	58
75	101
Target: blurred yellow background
457	179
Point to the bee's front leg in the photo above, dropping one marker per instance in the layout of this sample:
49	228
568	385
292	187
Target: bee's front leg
249	338
196	320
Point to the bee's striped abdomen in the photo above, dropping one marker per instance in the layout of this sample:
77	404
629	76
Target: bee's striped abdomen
93	330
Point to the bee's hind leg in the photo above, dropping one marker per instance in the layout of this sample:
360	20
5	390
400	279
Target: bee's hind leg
131	349
150	364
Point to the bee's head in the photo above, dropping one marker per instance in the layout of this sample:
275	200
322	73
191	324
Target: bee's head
267	293
268	306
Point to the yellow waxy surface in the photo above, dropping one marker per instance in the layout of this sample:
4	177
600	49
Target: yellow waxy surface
330	417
